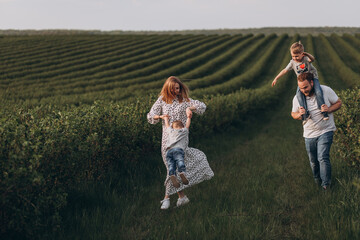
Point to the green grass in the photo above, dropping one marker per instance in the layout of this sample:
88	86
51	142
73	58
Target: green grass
262	189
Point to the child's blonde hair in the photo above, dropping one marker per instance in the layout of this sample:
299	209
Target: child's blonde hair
297	48
177	123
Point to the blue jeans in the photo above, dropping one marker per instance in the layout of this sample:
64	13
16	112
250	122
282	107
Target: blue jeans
318	150
318	93
175	156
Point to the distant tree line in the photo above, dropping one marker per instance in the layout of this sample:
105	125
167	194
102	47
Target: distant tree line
268	30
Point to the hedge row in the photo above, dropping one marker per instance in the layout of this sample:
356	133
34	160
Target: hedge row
346	74
64	73
347	120
70	52
45	152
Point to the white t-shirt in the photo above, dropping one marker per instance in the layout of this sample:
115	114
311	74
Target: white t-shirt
316	126
301	67
178	138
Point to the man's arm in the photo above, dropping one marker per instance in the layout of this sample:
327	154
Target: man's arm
333	108
297	115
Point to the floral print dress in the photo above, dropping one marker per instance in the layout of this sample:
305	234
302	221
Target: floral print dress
197	166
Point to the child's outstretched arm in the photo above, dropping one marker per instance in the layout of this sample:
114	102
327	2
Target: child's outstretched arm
311	57
166	119
188	122
282	73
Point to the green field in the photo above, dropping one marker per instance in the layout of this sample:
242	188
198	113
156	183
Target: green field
82	68
262	189
79	156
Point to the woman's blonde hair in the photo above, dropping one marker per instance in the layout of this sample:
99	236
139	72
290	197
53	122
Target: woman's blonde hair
297	48
168	93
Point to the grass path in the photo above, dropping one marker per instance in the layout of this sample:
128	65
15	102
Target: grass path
262	189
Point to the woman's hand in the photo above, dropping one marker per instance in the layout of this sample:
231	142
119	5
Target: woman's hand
189	112
165	116
156	117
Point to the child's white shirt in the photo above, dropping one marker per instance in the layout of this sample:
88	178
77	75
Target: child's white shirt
301	67
178	138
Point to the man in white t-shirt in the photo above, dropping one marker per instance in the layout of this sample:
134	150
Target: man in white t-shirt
318	134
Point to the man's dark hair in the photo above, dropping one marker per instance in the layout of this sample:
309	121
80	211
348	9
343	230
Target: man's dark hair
305	76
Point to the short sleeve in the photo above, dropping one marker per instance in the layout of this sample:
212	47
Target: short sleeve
200	107
156	109
295	105
289	66
331	95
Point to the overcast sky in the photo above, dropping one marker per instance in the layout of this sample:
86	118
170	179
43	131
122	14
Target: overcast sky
176	14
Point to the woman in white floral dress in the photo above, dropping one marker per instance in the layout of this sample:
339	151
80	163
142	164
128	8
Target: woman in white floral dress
175	102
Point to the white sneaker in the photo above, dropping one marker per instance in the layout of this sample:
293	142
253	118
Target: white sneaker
165	204
182	201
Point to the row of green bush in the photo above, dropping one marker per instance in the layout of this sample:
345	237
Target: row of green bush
182	59
64	89
234	67
45	151
81	65
89	70
347	74
347	119
69	49
249	76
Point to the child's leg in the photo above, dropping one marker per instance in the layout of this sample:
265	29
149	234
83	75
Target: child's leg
318	93
319	96
180	154
302	101
171	162
170	159
180	161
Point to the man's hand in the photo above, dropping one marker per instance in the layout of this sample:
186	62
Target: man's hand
324	108
297	115
302	111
